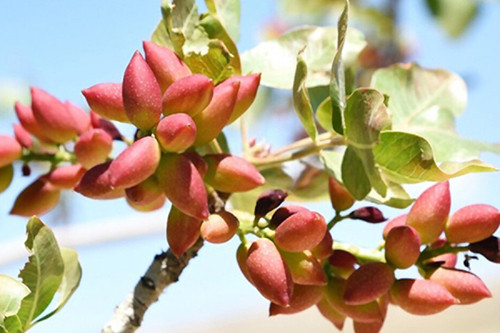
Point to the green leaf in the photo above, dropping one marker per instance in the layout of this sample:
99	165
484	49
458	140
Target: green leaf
324	114
408	158
276	59
301	101
214	64
70	281
160	35
42	274
215	30
228	12
396	195
425	102
181	17
337	76
354	175
12	293
365	116
454	16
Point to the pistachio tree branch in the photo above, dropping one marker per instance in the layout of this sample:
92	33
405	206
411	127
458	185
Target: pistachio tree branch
163	271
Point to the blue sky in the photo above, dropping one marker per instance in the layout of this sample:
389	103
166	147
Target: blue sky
67	46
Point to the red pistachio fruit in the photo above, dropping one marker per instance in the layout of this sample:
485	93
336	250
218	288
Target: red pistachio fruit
324	249
106	99
340	197
283	213
430	211
367	283
145	192
301	231
106	125
303	298
95	184
66	176
219	227
93	147
182	231
463	285
241	258
81	119
489	248
343	262
59	122
165	64
246	94
6	175
23	136
189	95
136	163
37	198
153	205
10	150
472	224
141	94
269	273
332	315
366	313
402	246
198	162
395	222
183	185
27	119
304	268
215	116
269	200
421	297
229	173
368	214
176	132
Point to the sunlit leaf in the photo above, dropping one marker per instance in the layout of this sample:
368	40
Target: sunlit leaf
214	64
70	281
215	30
228	12
160	36
276	59
337	76
301	101
12	293
425	102
42	274
408	158
365	116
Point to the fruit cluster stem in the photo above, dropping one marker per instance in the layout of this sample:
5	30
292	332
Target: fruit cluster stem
362	254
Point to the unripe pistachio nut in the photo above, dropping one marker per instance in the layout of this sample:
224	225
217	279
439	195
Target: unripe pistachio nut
93	147
106	99
189	95
369	282
135	164
141	94
430	211
402	246
37	198
220	227
176	132
269	272
182	231
10	150
303	297
472	223
301	231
